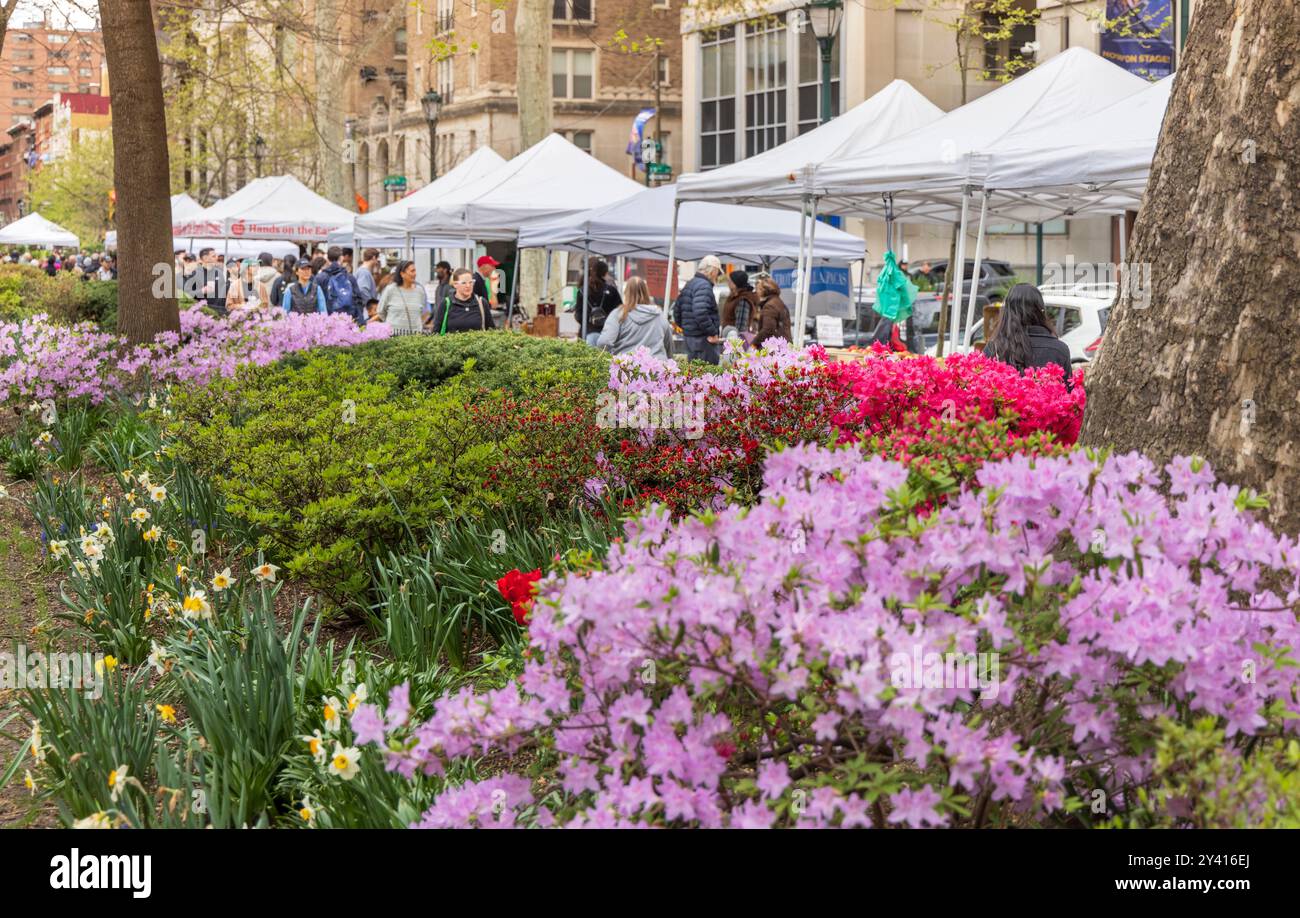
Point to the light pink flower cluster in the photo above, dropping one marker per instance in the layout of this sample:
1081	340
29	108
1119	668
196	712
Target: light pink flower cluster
41	359
787	664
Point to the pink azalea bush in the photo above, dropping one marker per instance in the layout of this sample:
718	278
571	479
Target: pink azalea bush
895	394
787	664
41	359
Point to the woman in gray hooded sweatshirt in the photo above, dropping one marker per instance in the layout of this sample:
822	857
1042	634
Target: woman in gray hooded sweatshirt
639	323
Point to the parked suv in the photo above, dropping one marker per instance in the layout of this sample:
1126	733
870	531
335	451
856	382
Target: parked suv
996	277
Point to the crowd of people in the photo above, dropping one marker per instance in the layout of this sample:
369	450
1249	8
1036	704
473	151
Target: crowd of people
462	300
86	265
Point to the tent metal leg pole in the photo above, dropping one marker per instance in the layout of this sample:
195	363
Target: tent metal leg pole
979	257
1123	238
798	272
546	277
806	278
586	288
514	288
957	272
672	260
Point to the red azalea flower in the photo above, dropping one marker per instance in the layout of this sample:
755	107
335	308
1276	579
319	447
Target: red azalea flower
518	589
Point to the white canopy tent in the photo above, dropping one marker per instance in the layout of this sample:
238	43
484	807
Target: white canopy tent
1102	162
239	248
386	227
641	227
184	208
780	177
194	222
930	173
551	179
275	207
34	229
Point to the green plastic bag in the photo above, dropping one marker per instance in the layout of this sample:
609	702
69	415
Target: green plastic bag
895	292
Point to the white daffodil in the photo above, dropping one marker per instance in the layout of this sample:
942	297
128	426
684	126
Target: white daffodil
265	573
106	503
316	745
58	549
223	581
158	658
157	494
152	534
331	714
140	515
359	694
117	782
153	400
104	533
91	548
196	605
143	479
44	438
308	812
98	820
80	567
344	761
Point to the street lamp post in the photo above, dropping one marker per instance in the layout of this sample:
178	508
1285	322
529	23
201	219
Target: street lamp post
431	102
825	17
259	153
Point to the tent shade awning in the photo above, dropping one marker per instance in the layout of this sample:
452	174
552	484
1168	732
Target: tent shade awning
641	227
550	180
34	229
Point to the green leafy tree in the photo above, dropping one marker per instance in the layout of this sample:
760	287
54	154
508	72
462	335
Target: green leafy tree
73	191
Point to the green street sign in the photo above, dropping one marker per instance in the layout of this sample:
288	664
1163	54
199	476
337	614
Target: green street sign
661	169
395	181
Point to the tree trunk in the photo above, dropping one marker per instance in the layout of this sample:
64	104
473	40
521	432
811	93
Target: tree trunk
141	173
6	11
1207	364
533	76
330	63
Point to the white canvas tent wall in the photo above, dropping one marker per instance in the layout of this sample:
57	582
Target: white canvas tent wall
277	207
239	248
34	229
551	179
386	227
1101	164
195	223
780	177
641	227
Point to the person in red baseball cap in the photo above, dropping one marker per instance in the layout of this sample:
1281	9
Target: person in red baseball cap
487	281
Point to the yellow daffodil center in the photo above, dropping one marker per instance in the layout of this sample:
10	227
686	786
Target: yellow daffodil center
341	762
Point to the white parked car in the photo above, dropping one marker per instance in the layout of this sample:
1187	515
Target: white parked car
1080	322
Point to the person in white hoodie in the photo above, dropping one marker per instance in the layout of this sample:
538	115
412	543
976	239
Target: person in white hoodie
639	323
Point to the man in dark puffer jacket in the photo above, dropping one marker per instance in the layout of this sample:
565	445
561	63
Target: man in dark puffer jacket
696	312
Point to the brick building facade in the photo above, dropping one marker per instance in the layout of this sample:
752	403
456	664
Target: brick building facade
39	60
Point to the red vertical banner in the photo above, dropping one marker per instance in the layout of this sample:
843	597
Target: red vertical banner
656	276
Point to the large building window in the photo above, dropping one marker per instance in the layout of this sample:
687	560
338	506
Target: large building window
573	74
718	99
572	10
810	81
765	85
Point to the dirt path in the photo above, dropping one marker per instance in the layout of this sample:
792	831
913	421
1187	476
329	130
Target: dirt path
26	602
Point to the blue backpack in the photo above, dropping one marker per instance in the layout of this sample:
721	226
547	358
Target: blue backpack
338	293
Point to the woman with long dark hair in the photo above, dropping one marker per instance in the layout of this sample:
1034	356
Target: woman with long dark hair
1024	338
604	300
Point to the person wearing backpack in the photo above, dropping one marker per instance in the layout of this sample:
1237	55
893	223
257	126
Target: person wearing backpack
341	291
604	299
403	303
464	311
305	295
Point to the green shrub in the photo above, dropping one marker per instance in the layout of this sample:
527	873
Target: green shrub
493	360
331	465
26	290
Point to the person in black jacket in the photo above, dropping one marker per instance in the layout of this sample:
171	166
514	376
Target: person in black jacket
1023	337
696	312
464	311
603	297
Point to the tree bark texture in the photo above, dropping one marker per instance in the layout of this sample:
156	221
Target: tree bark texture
533	77
1206	362
141	173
